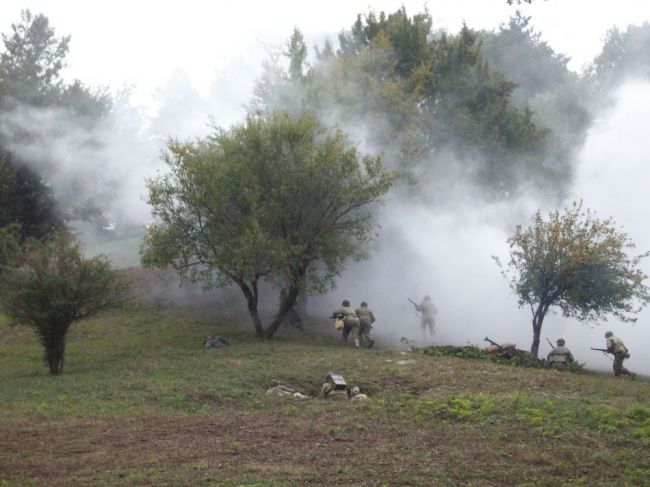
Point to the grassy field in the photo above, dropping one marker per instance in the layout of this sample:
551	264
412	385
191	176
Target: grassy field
140	402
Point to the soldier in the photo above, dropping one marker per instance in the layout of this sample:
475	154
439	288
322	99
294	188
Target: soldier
428	311
616	347
350	323
560	357
366	319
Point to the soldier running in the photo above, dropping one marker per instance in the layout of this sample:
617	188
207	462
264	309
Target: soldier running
428	310
366	319
350	323
616	347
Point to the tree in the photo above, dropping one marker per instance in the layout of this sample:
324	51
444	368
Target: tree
33	59
276	198
578	263
53	286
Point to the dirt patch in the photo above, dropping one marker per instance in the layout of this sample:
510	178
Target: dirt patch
339	446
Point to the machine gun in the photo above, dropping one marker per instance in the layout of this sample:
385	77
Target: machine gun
493	343
507	351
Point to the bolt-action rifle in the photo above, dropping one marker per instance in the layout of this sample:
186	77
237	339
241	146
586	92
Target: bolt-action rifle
601	350
549	342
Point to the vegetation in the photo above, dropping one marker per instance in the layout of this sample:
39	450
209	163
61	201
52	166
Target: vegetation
52	286
141	391
277	198
578	263
30	78
428	99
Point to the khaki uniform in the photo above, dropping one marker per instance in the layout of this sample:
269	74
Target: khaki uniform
366	319
428	311
560	358
616	346
350	324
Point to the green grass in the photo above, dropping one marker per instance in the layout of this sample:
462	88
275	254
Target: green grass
139	389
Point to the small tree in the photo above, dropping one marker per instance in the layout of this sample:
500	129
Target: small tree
578	263
53	286
277	198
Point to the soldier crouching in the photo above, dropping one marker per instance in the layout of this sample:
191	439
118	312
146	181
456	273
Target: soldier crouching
560	357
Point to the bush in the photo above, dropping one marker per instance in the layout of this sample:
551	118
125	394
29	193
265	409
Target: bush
53	286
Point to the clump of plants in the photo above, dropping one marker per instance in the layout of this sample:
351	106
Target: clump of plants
520	358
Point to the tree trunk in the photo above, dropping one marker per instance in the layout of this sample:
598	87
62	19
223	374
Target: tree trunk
251	300
285	307
55	351
538	319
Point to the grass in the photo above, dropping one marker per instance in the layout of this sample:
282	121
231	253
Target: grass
140	402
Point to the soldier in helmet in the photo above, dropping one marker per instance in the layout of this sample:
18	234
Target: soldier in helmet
616	347
428	311
366	319
560	357
350	322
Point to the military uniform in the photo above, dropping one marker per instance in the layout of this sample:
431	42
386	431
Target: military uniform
350	323
616	347
560	357
366	319
428	311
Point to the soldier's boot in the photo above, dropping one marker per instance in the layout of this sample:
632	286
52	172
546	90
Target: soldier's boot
370	343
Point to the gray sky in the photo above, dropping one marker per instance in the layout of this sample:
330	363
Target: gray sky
140	43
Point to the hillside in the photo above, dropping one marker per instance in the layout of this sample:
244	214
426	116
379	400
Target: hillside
140	402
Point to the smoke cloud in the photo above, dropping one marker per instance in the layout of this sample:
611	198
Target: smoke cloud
445	250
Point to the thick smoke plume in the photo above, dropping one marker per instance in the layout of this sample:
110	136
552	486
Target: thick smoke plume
445	251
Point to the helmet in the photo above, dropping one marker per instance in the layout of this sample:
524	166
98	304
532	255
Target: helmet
560	342
608	334
363	303
355	390
346	303
427	298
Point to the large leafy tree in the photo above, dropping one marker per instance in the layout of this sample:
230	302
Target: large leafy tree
52	286
277	197
578	263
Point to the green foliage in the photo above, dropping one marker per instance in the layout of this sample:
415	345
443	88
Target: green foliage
30	75
26	201
276	198
9	245
53	287
424	95
578	263
624	55
522	359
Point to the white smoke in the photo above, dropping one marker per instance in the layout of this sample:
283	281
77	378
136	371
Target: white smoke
445	251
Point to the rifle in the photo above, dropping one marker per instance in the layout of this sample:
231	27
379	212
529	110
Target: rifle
601	350
549	342
413	302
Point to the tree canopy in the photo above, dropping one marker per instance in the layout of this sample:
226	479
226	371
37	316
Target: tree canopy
578	263
278	197
430	97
